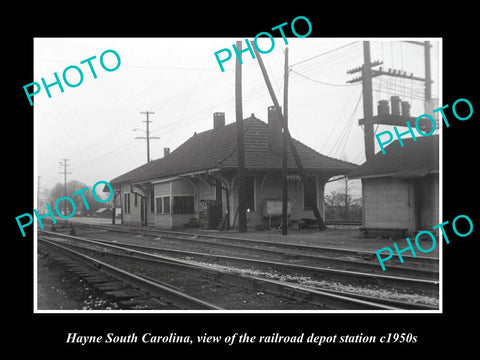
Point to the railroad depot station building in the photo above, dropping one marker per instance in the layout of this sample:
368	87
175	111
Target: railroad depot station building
400	189
196	184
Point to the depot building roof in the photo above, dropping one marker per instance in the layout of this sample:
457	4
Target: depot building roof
216	149
415	159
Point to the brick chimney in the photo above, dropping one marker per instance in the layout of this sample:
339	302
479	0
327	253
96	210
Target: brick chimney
218	120
166	152
275	135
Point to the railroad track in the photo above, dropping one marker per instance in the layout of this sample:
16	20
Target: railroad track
317	298
420	267
316	272
343	222
305	270
141	291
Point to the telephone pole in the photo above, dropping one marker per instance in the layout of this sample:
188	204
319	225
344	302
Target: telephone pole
369	119
428	73
38	189
367	100
366	78
346	198
64	172
148	137
285	151
306	181
242	211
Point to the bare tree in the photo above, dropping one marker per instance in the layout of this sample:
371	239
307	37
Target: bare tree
58	191
340	204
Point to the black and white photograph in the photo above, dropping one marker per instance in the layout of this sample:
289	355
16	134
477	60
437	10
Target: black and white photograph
267	183
203	190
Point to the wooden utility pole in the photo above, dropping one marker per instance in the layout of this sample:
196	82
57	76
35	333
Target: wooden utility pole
148	137
346	198
428	69
242	211
64	172
428	72
367	101
368	119
306	181
285	151
113	207
38	190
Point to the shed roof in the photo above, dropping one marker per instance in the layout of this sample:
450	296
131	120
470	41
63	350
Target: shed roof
216	149
414	159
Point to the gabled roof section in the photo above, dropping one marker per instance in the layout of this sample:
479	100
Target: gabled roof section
414	159
216	149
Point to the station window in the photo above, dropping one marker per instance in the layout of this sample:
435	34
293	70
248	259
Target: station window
183	204
136	200
152	201
126	205
166	205
162	205
310	193
159	205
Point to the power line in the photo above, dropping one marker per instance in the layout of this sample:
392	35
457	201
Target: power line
251	93
113	152
333	58
342	140
337	121
322	82
324	53
359	154
392	90
143	66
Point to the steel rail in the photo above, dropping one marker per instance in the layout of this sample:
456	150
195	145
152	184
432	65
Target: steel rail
338	273
318	297
320	259
243	241
176	297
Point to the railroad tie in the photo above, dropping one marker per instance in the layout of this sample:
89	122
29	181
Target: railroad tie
297	294
110	286
132	303
290	256
123	294
213	276
96	280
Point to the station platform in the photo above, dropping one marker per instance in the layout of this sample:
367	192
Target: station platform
336	236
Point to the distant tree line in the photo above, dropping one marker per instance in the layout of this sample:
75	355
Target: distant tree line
58	191
341	205
336	208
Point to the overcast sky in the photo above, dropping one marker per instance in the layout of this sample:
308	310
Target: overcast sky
180	81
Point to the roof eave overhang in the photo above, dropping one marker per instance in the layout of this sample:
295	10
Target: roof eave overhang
396	174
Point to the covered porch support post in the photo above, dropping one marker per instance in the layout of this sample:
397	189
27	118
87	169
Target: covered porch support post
145	188
115	194
225	187
320	183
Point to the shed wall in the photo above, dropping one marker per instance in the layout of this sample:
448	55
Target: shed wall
428	201
389	203
133	217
